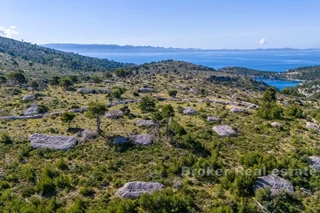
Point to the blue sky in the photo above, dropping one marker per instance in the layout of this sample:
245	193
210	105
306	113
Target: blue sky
205	24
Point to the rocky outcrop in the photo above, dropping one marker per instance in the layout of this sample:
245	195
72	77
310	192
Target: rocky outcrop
119	140
52	142
315	162
146	89
253	106
29	98
237	110
135	189
22	117
275	183
79	110
87	135
31	110
114	114
213	119
224	131
312	126
146	123
206	101
189	111
92	91
122	102
143	139
193	91
166	99
277	125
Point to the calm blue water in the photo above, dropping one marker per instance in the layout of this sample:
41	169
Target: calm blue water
277	61
279	83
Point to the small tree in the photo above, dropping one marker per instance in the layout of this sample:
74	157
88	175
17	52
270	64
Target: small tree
66	83
34	85
147	104
73	78
96	110
54	81
3	80
117	92
157	118
17	78
96	79
269	108
68	117
108	75
172	93
167	113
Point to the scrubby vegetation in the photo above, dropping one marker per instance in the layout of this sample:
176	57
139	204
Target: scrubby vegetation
86	178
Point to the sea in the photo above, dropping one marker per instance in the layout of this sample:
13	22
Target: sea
264	60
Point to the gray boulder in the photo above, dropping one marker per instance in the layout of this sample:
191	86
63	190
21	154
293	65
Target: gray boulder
237	110
92	91
52	142
29	98
114	114
22	117
315	162
312	126
122	102
189	111
87	135
224	131
135	189
142	139
193	91
147	123
277	125
275	183
213	119
120	140
253	106
146	90
78	110
31	110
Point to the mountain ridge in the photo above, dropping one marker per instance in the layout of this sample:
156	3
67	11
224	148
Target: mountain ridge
122	48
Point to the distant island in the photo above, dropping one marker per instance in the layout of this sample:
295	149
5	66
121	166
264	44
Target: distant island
103	48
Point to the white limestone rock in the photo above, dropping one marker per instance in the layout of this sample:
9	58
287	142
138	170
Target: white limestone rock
52	142
146	123
114	114
142	139
189	111
135	189
224	130
275	183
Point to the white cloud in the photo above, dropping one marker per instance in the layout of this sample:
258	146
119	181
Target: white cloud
8	32
262	41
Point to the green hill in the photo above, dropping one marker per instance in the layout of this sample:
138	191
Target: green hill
31	58
248	72
309	73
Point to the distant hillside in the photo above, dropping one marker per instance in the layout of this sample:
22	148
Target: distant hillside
172	66
248	72
304	73
31	57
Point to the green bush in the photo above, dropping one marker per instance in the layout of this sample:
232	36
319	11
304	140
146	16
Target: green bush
147	104
5	138
45	186
87	191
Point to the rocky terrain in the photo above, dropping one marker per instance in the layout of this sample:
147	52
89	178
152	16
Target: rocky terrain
145	138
